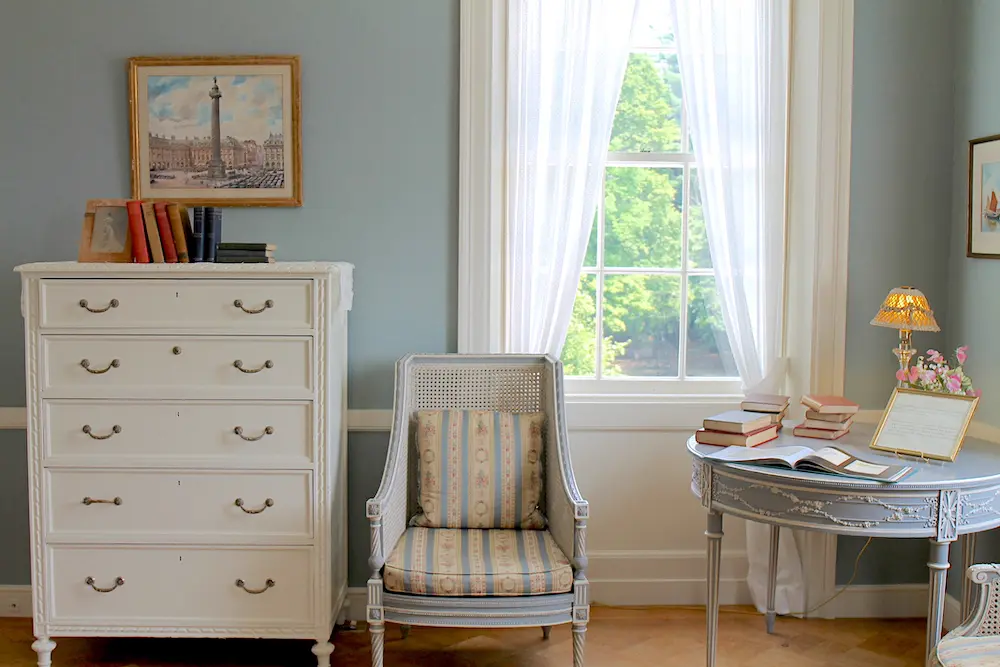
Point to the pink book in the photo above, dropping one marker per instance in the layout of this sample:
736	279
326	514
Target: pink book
826	404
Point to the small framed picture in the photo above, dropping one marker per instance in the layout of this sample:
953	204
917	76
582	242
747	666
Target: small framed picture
925	424
984	197
105	236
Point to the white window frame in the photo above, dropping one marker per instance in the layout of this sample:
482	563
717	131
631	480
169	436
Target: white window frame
817	205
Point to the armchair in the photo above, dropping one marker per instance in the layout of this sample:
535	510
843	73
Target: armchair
460	576
976	643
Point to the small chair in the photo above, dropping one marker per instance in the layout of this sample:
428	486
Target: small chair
462	535
976	643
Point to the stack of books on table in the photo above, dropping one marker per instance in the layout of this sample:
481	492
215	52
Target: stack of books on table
827	417
774	405
737	427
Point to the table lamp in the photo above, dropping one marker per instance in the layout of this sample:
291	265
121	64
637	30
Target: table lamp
906	309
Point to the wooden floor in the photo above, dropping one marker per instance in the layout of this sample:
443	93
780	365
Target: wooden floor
619	637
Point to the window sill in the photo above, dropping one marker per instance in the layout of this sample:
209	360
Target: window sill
644	412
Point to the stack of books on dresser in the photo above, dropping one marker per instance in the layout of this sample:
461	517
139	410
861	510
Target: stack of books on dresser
827	417
737	428
254	253
774	405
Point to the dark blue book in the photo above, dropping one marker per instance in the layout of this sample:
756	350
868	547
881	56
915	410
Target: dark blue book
197	249
213	231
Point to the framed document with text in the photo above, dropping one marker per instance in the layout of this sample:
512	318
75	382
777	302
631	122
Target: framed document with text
925	424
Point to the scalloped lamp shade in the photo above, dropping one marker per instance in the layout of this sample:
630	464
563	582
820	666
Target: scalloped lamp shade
906	308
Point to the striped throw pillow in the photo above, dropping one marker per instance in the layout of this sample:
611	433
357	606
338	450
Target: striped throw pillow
479	469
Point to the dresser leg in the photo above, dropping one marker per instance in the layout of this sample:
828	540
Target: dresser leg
322	651
43	646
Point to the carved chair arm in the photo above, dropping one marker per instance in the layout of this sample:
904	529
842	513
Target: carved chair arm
386	511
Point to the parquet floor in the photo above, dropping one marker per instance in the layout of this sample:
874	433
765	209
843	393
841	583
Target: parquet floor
652	637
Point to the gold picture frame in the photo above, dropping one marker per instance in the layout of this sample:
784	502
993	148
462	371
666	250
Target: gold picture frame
216	130
937	420
105	236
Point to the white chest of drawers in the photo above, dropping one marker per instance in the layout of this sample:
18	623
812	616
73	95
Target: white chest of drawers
187	449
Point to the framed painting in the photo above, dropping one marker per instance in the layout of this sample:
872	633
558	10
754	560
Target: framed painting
216	130
984	197
105	235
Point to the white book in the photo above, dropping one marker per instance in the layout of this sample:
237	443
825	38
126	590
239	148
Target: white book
831	460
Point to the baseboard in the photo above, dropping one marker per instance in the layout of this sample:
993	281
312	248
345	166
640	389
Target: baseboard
668	577
888	601
15	601
357	603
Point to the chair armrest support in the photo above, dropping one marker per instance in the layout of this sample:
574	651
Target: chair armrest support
984	621
386	511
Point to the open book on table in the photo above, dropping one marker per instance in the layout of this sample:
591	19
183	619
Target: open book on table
828	459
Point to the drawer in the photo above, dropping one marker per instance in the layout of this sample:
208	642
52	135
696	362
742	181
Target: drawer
176	304
179	506
128	366
180	586
137	433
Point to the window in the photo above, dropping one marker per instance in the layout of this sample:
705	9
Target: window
646	308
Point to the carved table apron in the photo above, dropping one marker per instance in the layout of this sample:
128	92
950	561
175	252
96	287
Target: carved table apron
940	501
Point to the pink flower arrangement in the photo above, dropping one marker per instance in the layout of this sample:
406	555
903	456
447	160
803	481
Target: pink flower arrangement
934	373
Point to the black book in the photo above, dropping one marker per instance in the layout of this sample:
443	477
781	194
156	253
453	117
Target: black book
224	259
246	246
197	249
213	231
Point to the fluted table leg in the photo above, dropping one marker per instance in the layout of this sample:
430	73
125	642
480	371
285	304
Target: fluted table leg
938	565
968	559
772	578
714	534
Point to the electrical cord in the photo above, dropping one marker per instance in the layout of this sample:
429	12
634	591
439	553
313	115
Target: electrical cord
854	575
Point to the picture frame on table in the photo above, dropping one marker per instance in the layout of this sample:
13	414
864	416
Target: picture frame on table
926	424
105	236
216	130
984	198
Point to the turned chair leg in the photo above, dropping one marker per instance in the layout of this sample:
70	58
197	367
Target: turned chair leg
404	630
546	631
579	637
377	631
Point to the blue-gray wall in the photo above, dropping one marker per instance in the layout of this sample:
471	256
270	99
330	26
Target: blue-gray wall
380	170
974	307
901	151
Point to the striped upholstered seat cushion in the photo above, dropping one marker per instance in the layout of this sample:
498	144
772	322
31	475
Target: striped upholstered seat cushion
969	651
479	469
469	562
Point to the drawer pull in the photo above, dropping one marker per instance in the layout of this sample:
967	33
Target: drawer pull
114	429
253	311
118	582
86	364
268	430
242	584
92	501
112	304
267	503
239	365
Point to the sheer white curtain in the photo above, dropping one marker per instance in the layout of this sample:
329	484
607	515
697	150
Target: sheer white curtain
567	63
733	57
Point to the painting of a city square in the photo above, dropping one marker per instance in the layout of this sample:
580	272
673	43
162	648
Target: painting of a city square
219	133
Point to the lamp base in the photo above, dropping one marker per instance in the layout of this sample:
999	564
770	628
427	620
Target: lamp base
904	352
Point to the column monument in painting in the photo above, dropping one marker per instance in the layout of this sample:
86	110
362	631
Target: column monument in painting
216	170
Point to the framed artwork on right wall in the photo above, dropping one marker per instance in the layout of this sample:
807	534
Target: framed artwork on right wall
984	197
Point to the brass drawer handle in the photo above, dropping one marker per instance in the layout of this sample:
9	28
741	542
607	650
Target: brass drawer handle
253	311
112	304
93	501
239	365
242	584
268	430
267	503
118	582
114	429
86	364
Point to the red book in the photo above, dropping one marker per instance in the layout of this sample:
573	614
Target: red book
166	236
140	251
829	404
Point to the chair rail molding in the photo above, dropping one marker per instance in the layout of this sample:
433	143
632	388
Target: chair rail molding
818	211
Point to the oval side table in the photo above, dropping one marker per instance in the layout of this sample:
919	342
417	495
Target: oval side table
940	501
